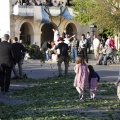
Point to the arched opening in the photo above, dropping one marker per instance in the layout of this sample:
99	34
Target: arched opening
26	34
71	29
47	33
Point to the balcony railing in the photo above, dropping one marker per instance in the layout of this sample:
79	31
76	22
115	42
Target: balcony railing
22	10
41	14
29	10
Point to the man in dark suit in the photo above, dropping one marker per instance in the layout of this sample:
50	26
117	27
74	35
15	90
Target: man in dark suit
63	56
6	60
18	49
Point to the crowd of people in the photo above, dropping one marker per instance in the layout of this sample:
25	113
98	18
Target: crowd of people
66	48
56	49
75	46
86	77
55	3
104	50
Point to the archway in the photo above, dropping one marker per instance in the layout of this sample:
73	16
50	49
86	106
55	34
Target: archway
26	33
47	32
71	29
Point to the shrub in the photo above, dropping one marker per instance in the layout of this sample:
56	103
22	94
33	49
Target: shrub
35	52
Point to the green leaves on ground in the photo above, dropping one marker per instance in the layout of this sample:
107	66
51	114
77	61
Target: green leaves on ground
57	99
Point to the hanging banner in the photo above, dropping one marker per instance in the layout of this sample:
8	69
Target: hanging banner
40	16
58	11
66	13
41	13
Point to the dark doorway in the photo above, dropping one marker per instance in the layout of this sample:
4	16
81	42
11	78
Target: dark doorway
26	32
71	29
47	33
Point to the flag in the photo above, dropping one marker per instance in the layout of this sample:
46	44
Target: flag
40	16
66	13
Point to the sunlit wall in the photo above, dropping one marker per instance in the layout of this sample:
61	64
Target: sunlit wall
4	17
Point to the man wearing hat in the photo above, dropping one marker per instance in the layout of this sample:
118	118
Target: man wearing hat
6	60
63	56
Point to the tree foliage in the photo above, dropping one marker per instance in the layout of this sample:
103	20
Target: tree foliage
35	52
104	13
81	8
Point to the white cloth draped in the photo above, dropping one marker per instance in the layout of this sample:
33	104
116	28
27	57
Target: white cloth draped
39	13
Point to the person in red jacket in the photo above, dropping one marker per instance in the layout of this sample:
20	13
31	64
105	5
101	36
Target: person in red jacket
111	42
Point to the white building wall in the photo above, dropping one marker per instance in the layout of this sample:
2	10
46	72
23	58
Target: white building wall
13	1
13	23
5	17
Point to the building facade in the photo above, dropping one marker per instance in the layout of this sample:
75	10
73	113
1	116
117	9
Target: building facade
26	28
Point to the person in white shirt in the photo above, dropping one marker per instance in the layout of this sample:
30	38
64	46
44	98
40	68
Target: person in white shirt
107	41
55	35
51	50
83	47
96	44
67	39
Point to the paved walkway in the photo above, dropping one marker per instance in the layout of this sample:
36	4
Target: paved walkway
34	69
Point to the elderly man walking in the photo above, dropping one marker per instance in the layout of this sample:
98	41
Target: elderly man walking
6	60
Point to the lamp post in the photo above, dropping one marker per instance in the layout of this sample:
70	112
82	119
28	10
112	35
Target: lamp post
93	29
